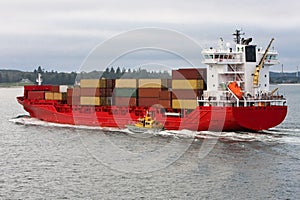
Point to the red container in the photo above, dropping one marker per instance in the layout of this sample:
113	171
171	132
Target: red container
75	100
36	95
69	92
148	92
51	88
165	95
186	94
124	101
165	103
69	100
76	91
110	83
108	92
54	88
90	92
190	73
203	73
169	82
147	101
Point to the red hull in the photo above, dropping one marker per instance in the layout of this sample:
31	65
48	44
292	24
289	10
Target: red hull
203	118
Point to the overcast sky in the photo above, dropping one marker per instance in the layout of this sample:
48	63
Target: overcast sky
59	34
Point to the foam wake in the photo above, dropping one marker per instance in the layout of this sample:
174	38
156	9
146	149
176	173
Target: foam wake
282	135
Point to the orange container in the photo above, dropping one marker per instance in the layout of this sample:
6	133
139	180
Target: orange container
148	92
165	95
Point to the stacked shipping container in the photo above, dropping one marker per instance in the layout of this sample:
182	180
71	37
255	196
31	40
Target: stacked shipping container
180	92
125	92
96	91
90	91
45	92
148	91
187	86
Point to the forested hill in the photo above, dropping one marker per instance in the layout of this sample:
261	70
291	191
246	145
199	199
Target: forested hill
286	77
64	78
13	76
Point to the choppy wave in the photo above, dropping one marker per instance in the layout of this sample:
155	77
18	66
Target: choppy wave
281	135
27	121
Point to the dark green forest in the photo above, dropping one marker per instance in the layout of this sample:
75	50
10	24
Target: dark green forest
68	78
64	78
53	77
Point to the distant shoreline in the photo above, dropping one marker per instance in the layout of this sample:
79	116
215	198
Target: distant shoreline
287	84
15	85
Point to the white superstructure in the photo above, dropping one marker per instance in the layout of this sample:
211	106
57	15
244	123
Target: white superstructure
241	64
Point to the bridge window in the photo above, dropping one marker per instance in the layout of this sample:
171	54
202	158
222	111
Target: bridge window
208	56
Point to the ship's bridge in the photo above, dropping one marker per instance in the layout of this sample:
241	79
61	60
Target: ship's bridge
271	58
215	56
227	56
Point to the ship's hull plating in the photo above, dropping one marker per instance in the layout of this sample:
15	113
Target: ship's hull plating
203	118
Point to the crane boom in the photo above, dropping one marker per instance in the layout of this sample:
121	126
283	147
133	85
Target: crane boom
260	64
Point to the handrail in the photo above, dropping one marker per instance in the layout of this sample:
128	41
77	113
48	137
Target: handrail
282	101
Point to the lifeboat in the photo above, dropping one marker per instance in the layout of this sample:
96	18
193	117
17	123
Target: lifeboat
235	89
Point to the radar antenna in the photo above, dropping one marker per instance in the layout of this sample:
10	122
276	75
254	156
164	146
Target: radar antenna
237	35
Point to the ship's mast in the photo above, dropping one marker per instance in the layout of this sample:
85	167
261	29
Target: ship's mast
237	36
39	79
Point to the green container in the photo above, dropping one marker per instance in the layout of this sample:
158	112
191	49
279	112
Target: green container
125	92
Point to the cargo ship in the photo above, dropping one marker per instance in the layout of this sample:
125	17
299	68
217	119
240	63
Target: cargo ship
231	94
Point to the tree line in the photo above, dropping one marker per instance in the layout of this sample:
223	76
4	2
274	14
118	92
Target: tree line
52	77
65	78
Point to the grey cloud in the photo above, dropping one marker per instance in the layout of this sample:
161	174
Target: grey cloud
62	33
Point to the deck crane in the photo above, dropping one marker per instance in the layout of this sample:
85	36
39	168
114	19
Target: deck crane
260	64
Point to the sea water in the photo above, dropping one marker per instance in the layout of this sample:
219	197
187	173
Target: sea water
41	160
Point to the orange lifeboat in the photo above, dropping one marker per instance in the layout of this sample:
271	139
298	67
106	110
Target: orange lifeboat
235	89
